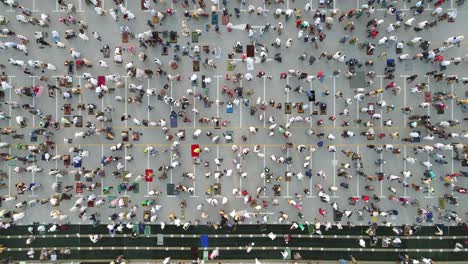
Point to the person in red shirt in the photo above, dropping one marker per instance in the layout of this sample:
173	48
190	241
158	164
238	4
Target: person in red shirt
322	212
439	2
390	85
319	74
365	198
298	23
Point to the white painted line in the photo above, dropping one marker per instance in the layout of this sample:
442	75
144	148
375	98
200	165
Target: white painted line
126	100
217	93
429	90
79	96
429	185
452	170
171	96
310	167
263	169
357	112
34	6
404	165
404	99
56	95
195	181
334	101
240	108
147	108
381	170
334	169
56	164
147	166
102	168
217	156
170	172
79	7
381	99
265	100
34	99
9	149
125	165
357	176
240	176
287	97
287	169
451	104
33	180
311	110
194	103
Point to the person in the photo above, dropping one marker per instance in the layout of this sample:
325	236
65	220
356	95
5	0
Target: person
250	247
195	99
362	243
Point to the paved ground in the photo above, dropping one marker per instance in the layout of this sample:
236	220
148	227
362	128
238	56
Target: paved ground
239	120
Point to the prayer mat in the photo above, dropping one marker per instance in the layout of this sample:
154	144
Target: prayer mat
225	20
287	108
173	37
214	18
79	122
196	66
125	37
194	37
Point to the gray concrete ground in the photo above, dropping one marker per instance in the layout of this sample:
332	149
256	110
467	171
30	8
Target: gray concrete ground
239	121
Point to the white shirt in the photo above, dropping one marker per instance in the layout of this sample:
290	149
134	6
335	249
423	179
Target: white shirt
445	63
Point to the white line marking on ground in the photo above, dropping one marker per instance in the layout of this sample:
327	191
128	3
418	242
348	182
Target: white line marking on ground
240	107
404	165
102	168
334	172
9	124
217	93
404	99
265	100
381	170
357	176
194	104
263	169
126	99
334	100
381	99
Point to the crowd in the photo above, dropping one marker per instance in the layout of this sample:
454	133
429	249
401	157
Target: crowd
384	30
